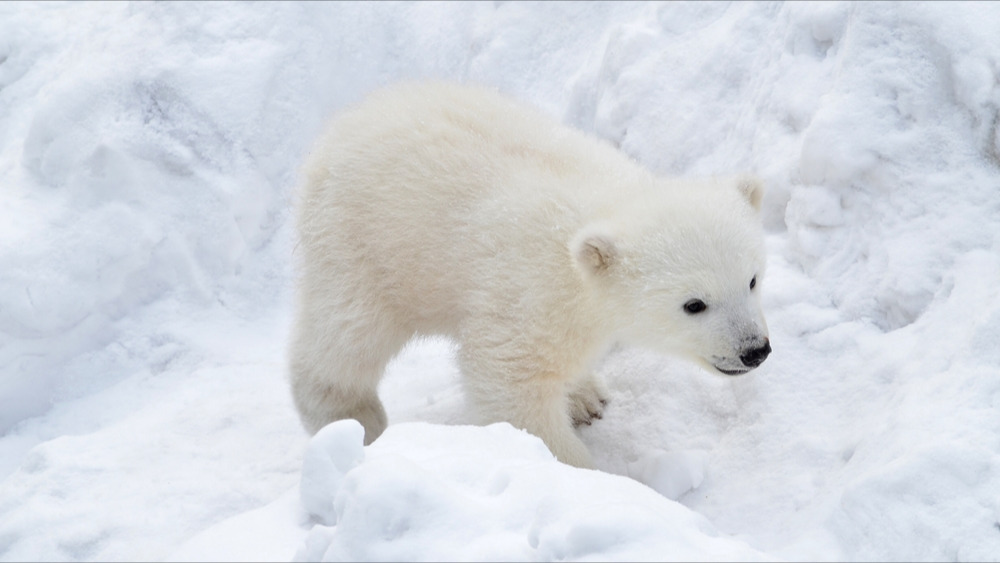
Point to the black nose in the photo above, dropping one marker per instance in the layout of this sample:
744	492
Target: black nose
755	357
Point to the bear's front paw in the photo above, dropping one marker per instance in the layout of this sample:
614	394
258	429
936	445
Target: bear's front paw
587	401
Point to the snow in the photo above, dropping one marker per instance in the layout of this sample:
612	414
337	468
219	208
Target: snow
464	493
332	453
148	158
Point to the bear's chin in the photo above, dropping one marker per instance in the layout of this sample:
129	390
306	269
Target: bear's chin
713	368
732	372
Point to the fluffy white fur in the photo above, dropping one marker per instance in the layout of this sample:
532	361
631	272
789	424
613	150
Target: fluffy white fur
436	208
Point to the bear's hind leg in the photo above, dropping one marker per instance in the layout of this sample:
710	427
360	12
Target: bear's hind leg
336	366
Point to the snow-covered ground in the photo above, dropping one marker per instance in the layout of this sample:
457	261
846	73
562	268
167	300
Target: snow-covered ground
148	156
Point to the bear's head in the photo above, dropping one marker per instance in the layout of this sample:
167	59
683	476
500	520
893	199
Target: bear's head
680	271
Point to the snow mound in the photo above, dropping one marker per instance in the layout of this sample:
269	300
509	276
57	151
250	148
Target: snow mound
459	493
332	452
670	473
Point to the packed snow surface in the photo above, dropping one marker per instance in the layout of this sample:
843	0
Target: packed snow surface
148	162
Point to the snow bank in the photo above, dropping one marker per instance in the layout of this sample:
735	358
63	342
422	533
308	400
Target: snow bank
147	158
459	493
140	191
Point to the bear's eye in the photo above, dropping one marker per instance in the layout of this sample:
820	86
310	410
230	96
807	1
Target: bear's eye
753	282
695	306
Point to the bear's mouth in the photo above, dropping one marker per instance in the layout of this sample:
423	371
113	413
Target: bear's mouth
732	371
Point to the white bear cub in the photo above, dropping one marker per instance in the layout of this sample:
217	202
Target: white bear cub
442	209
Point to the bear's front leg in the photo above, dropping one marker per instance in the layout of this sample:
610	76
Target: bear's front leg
525	394
587	399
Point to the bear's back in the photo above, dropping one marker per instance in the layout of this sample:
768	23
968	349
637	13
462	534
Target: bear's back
467	142
425	190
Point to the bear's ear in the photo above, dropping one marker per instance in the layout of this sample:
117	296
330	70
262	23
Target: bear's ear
594	250
752	188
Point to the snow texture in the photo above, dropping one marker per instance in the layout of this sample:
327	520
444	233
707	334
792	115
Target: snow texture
148	158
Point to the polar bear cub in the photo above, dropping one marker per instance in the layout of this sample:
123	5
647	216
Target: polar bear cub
443	209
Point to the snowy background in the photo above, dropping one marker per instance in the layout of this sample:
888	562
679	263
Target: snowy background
148	157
